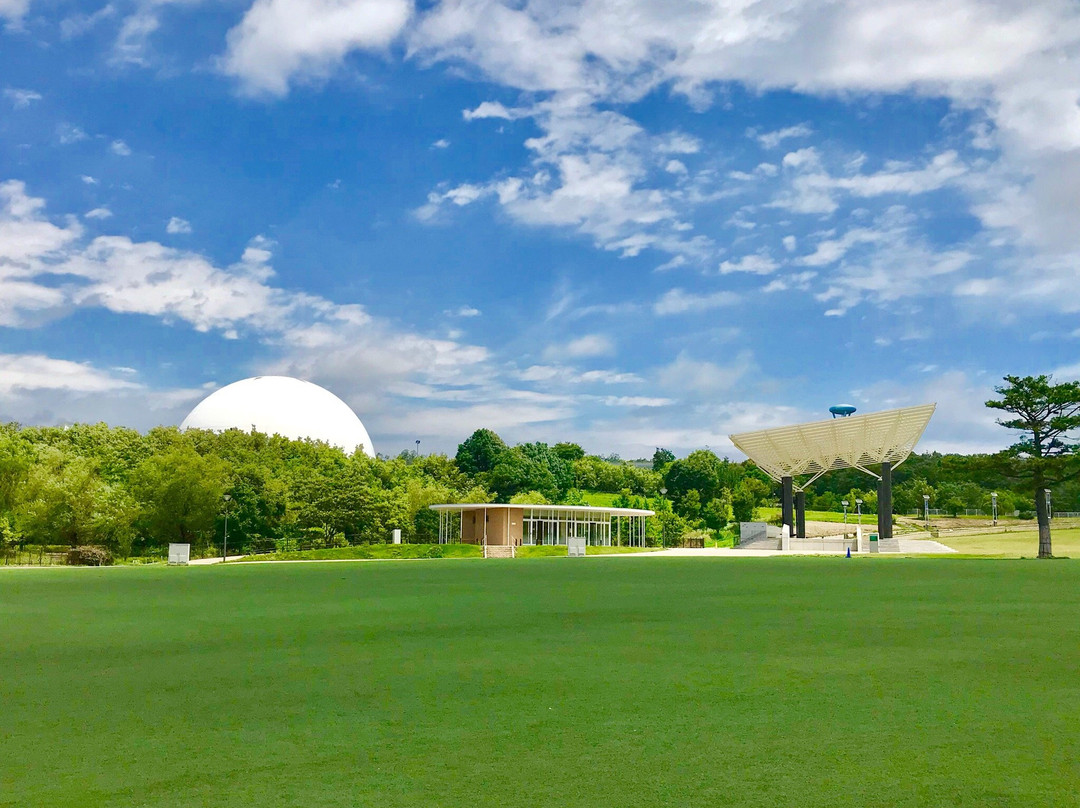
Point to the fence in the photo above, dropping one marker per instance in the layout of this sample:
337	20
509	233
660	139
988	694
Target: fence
33	555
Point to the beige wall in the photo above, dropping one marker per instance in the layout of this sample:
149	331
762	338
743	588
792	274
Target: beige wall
503	526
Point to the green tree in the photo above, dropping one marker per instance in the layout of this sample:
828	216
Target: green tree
480	452
529	498
717	511
661	457
671	528
61	500
746	497
1045	414
180	496
568	451
690	506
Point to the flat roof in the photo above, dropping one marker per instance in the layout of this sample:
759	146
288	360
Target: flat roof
853	442
472	506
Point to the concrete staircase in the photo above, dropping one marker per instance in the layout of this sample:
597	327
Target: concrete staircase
498	551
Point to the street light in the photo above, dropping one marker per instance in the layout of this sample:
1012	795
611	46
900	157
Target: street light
225	544
993	507
417	447
845	504
926	508
858	510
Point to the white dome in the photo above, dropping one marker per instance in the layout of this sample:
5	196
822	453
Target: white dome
279	405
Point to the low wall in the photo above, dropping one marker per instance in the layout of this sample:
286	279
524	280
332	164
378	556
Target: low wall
837	544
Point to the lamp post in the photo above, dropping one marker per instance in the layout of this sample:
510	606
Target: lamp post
993	507
858	510
845	504
663	535
417	447
225	544
926	508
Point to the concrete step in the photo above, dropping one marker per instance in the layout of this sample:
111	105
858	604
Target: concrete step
760	544
498	551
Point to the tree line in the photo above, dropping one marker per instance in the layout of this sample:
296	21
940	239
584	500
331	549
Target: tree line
134	493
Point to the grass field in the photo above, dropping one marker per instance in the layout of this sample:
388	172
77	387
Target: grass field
1015	543
553	682
368	551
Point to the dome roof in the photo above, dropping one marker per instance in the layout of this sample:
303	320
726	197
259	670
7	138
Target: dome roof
283	406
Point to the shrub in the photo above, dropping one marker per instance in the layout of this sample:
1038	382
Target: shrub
89	555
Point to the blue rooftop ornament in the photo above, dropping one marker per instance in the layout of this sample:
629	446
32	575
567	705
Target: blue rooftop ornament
842	410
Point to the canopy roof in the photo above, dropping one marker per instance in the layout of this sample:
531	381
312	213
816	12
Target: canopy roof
853	442
592	509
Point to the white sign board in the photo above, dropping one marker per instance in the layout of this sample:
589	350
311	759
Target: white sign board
575	546
179	554
397	535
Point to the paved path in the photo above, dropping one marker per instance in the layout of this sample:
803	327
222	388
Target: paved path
201	562
923	546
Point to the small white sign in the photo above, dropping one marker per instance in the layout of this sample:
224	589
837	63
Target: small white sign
179	554
397	535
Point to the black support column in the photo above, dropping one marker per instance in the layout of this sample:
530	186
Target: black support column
786	505
800	514
884	502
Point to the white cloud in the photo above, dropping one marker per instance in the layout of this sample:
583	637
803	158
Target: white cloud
1011	63
441	143
88	180
757	264
120	148
686	375
178	226
20	373
582	347
590	172
279	41
463	311
492	109
796	280
13	11
770	140
901	265
67	134
78	24
562	373
98	213
21	99
678	301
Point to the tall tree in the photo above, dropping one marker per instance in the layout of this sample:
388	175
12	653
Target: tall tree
661	457
1046	454
180	494
480	452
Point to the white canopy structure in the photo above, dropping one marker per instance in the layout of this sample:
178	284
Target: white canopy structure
819	446
784	453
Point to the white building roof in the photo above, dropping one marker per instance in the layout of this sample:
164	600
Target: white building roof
472	506
820	446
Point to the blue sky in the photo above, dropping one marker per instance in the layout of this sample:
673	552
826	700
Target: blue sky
629	223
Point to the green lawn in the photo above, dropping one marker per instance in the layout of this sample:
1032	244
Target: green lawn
362	551
553	682
1016	543
868	519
